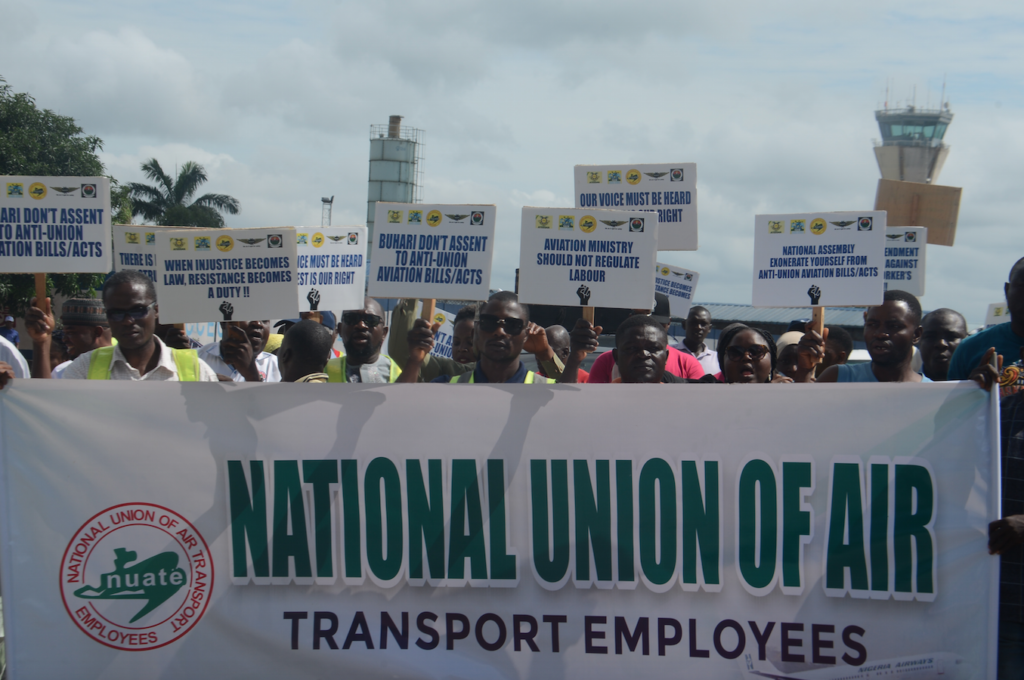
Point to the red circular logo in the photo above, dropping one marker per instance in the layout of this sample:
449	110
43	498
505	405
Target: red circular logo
136	576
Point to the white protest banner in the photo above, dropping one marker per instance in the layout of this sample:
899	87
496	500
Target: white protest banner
670	189
331	267
432	251
997	313
212	528
905	251
678	284
226	274
54	224
135	248
830	259
596	258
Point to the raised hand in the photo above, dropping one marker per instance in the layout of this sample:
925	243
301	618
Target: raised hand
39	320
421	340
314	299
227	309
584	293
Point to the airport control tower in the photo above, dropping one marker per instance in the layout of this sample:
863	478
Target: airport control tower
395	164
912	148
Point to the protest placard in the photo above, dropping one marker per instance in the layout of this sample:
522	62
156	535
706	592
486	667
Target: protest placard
445	332
432	251
226	274
54	224
593	258
292	531
678	284
997	313
830	259
135	248
331	267
204	333
905	252
669	189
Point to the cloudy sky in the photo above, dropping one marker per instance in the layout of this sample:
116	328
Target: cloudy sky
774	102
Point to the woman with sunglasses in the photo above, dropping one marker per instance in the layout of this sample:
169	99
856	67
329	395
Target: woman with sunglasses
747	356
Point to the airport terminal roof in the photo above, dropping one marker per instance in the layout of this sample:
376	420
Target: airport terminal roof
834	316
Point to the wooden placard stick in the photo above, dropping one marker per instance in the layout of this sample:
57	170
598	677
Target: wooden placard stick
818	325
588	315
429	306
41	291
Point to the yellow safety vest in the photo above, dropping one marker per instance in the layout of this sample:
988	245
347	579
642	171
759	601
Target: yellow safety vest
337	373
531	378
185	360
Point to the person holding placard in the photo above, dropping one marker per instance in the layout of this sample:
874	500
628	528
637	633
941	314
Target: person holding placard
362	332
240	356
838	346
85	329
941	333
891	330
1007	338
129	299
560	343
403	320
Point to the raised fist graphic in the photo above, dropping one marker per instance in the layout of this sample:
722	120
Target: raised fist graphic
815	294
227	309
314	299
584	293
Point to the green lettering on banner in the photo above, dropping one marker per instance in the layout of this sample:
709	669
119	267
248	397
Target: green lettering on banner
593	520
465	504
796	523
880	527
846	515
624	519
757	569
657	472
351	520
426	518
288	501
551	566
912	517
248	520
322	474
503	565
701	518
385	561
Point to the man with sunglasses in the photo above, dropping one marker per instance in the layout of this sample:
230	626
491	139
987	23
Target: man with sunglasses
362	332
239	356
129	298
499	336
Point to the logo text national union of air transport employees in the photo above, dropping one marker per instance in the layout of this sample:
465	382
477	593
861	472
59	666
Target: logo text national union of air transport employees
136	576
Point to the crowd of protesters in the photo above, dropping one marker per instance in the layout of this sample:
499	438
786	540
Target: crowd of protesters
119	337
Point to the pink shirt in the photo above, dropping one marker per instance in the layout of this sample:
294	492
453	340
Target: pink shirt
679	364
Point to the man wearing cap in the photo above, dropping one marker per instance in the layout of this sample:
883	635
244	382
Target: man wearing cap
363	332
239	356
679	364
85	329
7	331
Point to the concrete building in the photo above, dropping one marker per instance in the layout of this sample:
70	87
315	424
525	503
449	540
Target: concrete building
395	166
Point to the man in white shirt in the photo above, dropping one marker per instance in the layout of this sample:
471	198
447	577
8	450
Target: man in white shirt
698	325
240	356
129	298
10	355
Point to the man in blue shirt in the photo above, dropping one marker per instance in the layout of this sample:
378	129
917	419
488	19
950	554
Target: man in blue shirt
1007	338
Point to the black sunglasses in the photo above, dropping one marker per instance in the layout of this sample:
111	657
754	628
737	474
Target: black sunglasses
355	318
489	324
136	313
755	352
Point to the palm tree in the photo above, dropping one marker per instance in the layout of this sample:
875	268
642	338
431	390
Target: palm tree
170	202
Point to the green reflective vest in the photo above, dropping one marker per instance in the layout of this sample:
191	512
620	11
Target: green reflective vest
185	360
337	373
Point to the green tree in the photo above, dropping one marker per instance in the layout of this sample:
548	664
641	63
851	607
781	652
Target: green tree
170	202
37	141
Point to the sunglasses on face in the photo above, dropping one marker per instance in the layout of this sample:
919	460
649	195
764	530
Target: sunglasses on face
136	313
355	318
489	324
755	352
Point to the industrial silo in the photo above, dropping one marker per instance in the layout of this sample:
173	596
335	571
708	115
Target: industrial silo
395	160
